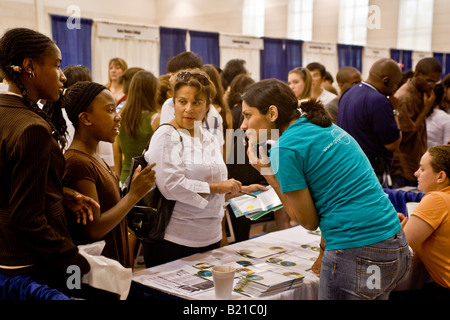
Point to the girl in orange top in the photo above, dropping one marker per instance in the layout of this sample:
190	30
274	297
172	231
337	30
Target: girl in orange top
428	228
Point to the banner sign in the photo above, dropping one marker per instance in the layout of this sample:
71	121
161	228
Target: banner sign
122	31
319	48
240	42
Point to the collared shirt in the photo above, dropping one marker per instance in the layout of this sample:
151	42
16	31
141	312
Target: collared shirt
183	172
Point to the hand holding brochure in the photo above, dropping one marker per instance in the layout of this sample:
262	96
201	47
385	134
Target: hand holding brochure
256	207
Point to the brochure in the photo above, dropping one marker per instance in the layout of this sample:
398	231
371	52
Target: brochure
256	207
268	282
260	252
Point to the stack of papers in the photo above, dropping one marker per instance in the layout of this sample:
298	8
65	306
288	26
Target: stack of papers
279	272
268	282
256	207
260	252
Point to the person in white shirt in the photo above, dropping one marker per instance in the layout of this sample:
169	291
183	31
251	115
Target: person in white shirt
438	121
192	172
318	72
438	128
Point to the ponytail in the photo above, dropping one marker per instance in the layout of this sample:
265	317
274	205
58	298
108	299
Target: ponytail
55	117
54	111
315	112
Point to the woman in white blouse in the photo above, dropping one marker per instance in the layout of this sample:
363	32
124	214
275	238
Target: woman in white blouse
192	172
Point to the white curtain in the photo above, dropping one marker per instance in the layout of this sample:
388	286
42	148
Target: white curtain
137	45
324	53
242	47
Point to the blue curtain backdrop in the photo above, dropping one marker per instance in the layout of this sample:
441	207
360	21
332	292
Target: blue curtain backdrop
206	45
349	55
74	42
444	60
172	42
294	57
273	62
404	57
279	57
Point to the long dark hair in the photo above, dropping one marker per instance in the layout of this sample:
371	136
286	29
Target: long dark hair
237	87
266	93
142	96
15	46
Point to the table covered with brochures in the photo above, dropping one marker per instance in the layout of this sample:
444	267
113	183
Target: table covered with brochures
275	266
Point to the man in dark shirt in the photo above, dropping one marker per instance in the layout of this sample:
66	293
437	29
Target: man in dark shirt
415	99
367	114
346	78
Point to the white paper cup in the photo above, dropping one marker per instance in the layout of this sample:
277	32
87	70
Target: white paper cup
223	277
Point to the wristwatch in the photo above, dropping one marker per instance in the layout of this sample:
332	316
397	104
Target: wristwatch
396	113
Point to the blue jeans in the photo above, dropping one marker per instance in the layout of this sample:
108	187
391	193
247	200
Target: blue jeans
365	273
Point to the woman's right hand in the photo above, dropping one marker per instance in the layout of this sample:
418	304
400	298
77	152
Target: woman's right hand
227	186
317	265
403	219
142	181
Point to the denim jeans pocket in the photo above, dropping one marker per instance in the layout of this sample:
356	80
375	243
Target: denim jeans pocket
374	277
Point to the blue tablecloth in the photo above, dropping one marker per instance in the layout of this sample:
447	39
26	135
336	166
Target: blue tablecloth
25	288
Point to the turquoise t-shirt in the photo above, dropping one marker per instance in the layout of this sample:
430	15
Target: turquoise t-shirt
353	209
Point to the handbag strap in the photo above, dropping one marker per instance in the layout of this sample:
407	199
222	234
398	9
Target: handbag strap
164	124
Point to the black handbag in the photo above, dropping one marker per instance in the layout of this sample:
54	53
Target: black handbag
150	216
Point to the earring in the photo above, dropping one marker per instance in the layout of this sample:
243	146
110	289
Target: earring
32	75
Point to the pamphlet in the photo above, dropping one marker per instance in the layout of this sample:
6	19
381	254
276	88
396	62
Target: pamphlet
268	282
256	207
260	252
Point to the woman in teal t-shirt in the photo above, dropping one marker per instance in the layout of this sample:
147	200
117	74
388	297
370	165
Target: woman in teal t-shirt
325	180
139	120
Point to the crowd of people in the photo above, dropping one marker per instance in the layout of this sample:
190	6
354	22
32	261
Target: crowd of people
67	144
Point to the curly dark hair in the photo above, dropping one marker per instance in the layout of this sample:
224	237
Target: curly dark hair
440	158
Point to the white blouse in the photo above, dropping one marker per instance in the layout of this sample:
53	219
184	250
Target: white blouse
438	128
183	171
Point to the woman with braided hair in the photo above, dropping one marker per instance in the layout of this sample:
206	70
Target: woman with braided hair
34	238
92	110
